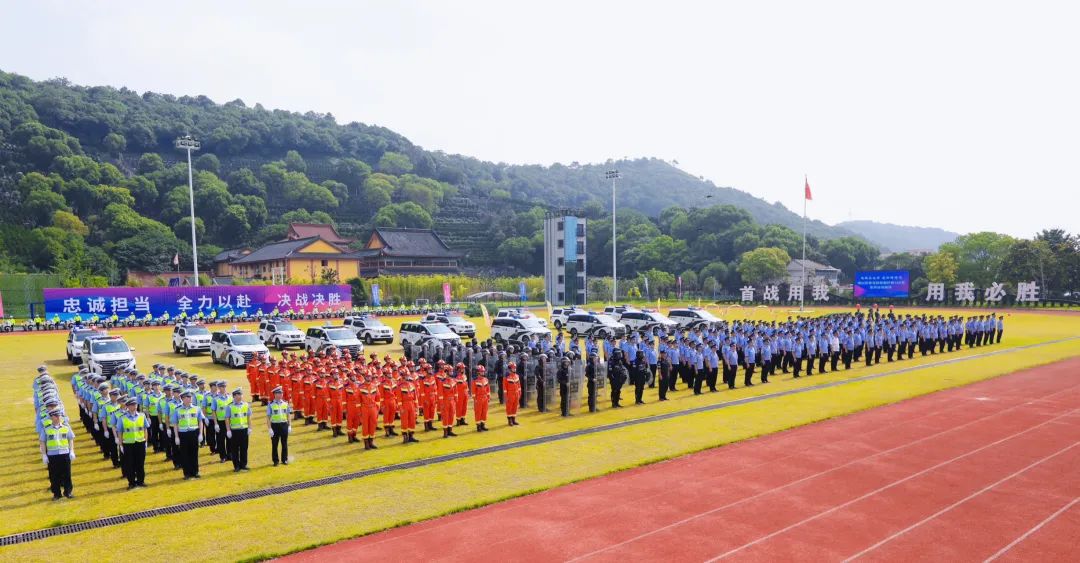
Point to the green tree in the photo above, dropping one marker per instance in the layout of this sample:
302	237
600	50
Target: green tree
69	222
149	163
41	205
352	172
850	254
244	182
406	214
150	251
295	163
940	267
763	265
182	229
208	163
395	163
114	143
979	256
689	280
517	251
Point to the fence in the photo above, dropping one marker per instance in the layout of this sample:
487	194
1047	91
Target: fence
19	291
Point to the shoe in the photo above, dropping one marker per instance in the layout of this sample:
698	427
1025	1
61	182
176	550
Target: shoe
69	495
197	476
130	486
450	432
275	464
284	463
56	498
143	485
236	470
186	478
244	469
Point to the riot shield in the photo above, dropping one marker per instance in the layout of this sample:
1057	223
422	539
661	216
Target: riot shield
577	385
473	361
551	386
528	378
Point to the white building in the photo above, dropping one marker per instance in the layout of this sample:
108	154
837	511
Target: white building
815	273
564	259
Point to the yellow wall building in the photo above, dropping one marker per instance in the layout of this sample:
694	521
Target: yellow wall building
302	260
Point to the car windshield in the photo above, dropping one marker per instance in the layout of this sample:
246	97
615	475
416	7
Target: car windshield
658	317
198	331
244	340
80	335
340	334
605	319
372	323
438	329
530	323
110	347
707	316
282	327
456	319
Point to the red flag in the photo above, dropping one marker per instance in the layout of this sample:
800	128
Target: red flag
808	196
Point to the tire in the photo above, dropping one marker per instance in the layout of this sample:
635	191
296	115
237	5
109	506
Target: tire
498	338
229	361
213	357
187	351
573	333
602	334
368	340
558	325
175	350
279	345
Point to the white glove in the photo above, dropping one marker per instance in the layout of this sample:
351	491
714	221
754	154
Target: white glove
162	425
169	432
106	433
121	448
45	459
290	429
96	427
200	438
177	439
71	454
271	432
228	433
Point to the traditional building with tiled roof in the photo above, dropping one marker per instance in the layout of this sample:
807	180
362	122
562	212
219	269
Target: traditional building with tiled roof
407	251
327	232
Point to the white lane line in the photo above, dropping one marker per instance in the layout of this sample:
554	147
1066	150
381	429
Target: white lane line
1036	528
958	503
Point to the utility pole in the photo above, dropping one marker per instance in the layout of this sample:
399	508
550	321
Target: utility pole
188	143
613	175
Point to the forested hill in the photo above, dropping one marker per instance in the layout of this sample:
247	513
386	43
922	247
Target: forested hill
900	238
118	125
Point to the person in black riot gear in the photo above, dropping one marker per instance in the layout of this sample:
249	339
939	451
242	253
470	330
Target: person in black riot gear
538	375
590	378
563	376
617	375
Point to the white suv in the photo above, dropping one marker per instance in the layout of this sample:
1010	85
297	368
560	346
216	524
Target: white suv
516	331
190	338
616	312
420	333
75	342
235	348
594	325
320	338
515	313
370	329
558	316
459	325
280	334
646	320
692	317
106	355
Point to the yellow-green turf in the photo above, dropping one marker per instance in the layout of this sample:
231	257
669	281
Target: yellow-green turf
293	521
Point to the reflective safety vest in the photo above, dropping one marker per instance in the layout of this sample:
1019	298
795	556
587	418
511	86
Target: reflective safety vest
154	404
56	439
133	430
279	411
220	403
110	410
239	416
187	418
208	405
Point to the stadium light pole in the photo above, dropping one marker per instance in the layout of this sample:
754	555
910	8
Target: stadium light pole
188	143
613	175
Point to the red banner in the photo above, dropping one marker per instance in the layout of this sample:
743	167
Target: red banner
446	293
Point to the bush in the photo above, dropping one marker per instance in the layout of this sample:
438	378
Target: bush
473	310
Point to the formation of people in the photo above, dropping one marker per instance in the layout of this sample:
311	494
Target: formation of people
175	414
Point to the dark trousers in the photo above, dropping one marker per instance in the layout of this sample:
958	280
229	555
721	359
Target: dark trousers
672	377
999	336
238	448
60	474
592	395
281	436
616	393
796	366
847	355
652	376
211	436
189	452
869	356
834	358
809	365
541	404
564	398
699	378
222	441
748	377
710	378
639	390
135	463
821	363
155	439
664	376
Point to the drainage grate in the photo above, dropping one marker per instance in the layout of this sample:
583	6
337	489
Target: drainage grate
64	529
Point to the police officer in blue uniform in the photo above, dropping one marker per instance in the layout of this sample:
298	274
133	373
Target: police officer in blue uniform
58	451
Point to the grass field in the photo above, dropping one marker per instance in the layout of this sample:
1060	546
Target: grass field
292	521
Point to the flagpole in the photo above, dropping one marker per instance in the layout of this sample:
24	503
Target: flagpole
802	294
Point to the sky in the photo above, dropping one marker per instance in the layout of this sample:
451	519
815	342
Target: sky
960	115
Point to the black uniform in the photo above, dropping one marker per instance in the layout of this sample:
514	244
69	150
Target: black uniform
616	376
563	376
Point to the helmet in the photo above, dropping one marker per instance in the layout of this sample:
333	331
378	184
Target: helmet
481	370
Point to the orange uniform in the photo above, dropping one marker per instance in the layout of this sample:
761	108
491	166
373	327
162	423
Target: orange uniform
429	396
369	409
309	396
449	397
252	372
389	405
512	391
461	404
481	396
337	403
352	407
322	401
410	397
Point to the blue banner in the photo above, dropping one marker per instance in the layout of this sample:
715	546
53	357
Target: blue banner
374	295
522	293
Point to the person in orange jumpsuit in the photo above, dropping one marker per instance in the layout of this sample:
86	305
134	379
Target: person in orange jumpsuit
446	403
252	374
512	391
352	407
337	401
261	380
410	396
461	402
322	401
481	396
369	412
309	396
389	404
273	376
297	396
429	393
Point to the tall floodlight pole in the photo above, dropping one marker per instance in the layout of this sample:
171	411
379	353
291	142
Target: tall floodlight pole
613	175
188	143
806	197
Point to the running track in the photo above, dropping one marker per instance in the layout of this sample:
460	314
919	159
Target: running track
990	471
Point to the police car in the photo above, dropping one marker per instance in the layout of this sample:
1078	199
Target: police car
516	331
370	329
594	325
235	348
280	334
106	355
75	341
515	313
190	338
692	317
616	312
639	321
559	316
422	332
320	338
459	325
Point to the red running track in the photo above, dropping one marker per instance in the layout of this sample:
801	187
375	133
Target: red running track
990	471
